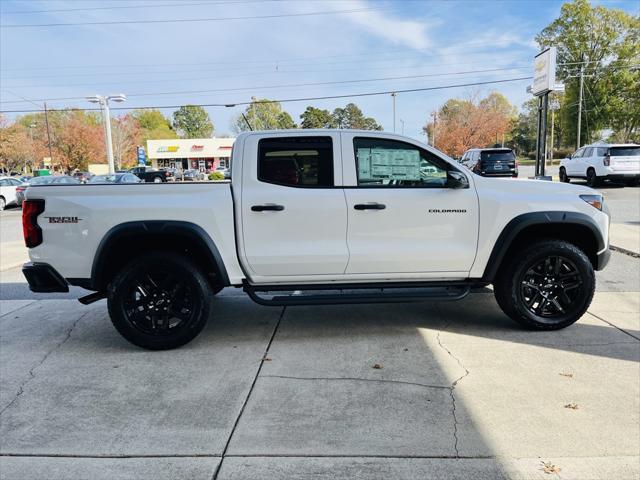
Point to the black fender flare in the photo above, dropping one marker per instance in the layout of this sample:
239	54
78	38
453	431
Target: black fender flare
154	227
526	220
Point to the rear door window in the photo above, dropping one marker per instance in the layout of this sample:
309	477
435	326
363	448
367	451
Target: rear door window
296	161
624	151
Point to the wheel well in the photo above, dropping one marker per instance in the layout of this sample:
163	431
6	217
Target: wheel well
123	248
579	235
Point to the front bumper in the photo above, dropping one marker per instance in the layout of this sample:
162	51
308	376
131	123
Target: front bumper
43	278
602	259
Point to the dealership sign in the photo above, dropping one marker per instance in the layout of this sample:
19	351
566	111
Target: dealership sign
544	72
197	148
168	149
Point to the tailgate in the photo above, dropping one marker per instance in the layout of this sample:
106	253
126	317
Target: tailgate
625	158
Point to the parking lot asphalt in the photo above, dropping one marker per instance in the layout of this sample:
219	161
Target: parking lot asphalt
433	390
425	390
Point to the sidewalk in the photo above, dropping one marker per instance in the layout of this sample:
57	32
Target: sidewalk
426	390
12	254
625	236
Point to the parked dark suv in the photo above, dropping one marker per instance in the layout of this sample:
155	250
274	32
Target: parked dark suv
491	162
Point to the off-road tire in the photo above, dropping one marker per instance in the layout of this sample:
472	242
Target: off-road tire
135	319
508	286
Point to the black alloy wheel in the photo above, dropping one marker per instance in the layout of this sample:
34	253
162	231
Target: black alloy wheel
160	301
550	287
547	285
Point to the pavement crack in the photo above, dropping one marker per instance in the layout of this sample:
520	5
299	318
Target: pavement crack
356	379
32	370
453	387
246	400
614	326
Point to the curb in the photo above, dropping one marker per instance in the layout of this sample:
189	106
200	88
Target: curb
624	251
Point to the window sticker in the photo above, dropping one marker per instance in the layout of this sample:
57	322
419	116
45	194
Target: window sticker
388	164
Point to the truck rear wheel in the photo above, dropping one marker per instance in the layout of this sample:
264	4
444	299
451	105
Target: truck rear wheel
549	285
159	301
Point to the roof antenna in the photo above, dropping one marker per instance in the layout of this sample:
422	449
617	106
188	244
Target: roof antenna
246	120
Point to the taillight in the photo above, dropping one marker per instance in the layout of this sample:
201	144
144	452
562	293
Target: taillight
517	163
20	189
607	161
32	232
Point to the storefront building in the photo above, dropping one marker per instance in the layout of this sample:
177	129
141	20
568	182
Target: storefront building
204	154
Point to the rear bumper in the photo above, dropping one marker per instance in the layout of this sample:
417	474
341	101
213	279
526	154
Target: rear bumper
623	176
43	278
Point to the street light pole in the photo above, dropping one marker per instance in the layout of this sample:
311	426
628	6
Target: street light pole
106	118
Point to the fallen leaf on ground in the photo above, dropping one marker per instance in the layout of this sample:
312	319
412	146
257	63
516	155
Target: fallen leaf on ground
568	375
377	366
572	406
548	467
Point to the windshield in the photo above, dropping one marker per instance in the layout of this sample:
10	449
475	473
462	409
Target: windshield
624	151
495	156
41	180
104	179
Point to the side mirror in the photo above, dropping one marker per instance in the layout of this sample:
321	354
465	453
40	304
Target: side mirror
456	179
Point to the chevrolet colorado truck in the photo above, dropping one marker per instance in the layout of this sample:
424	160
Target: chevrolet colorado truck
318	217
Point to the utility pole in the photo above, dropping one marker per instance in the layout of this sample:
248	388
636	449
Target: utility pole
46	121
434	114
393	96
580	103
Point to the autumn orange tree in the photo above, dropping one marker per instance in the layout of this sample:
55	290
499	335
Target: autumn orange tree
461	124
79	140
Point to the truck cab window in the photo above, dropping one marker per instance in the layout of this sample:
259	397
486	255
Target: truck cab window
296	161
390	163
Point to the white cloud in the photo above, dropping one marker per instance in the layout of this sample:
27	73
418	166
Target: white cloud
410	33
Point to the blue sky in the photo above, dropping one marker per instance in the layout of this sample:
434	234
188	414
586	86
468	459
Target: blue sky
366	43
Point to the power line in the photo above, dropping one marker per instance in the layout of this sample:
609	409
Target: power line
290	100
119	7
291	85
190	20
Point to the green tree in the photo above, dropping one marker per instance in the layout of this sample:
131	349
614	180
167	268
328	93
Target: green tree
264	114
351	117
192	121
314	117
606	42
153	125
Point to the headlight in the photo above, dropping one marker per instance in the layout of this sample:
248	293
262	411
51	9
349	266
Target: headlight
596	201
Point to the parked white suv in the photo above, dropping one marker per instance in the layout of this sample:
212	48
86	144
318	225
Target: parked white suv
603	161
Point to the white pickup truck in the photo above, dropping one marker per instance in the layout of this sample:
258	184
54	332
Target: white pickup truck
318	217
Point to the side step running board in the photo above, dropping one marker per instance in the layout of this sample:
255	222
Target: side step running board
355	293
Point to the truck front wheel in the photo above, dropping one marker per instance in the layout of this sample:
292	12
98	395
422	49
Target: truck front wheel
548	286
159	301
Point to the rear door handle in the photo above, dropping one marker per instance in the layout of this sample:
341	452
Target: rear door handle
267	208
369	206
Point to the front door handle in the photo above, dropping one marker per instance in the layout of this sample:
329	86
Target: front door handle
369	206
265	208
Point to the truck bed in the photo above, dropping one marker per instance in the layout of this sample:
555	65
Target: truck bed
77	217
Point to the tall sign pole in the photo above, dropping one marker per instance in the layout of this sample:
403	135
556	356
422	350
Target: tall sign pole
544	82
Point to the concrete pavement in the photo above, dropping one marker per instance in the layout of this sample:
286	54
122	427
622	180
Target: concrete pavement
460	392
